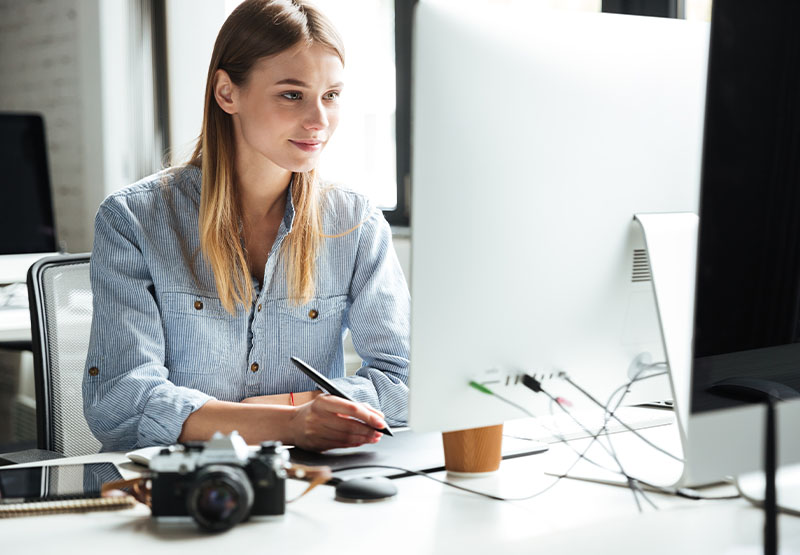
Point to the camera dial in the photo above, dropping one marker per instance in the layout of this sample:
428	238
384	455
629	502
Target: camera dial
270	447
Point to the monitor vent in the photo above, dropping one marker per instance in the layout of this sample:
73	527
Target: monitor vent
641	267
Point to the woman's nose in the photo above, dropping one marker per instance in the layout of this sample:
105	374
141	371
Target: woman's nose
316	117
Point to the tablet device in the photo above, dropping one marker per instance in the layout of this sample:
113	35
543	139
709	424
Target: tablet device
406	450
55	482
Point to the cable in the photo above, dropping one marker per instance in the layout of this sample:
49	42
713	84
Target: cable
451	484
535	385
610	451
558	478
556	435
633	483
612	412
615	417
634	486
685	493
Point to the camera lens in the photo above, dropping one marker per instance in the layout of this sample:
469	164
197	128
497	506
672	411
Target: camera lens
220	497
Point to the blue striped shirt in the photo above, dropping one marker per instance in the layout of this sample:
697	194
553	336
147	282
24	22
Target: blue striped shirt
162	345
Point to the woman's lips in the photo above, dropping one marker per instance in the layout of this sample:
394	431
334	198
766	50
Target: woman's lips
307	146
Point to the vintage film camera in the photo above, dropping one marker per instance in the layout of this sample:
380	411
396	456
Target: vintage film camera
221	482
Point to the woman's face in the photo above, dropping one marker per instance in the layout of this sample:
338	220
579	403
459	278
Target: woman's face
288	109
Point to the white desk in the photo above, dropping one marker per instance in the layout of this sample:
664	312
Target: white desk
15	325
427	517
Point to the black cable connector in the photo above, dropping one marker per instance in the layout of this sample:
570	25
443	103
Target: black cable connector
531	383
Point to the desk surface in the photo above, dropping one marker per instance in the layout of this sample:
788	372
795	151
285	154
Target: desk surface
15	325
428	517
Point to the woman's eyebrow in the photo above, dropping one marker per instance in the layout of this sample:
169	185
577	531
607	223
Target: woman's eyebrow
290	81
299	83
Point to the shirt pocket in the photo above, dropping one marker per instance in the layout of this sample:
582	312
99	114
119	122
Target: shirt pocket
313	331
197	333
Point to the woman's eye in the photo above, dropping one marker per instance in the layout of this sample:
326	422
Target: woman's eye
333	95
291	95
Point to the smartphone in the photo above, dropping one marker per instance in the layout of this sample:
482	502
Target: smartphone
56	482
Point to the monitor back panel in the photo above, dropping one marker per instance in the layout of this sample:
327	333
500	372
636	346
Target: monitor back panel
536	137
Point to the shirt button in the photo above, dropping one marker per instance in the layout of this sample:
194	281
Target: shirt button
254	367
93	371
198	305
259	308
313	314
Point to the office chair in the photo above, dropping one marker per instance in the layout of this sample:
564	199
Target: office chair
61	316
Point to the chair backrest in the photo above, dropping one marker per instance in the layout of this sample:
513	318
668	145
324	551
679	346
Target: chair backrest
61	316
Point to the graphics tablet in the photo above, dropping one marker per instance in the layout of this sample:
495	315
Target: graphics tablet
419	452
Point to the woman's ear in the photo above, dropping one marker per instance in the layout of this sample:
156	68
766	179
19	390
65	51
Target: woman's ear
225	92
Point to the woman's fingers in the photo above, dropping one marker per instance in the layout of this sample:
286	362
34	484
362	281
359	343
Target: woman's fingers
329	422
343	407
333	439
349	426
342	438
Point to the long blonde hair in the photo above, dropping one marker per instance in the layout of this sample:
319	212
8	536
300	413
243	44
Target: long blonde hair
254	30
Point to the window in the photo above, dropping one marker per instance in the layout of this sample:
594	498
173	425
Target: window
362	153
698	10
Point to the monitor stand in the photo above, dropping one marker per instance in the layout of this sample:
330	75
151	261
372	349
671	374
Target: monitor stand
671	243
754	390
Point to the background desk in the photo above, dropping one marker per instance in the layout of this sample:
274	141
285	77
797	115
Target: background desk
427	517
15	326
17	394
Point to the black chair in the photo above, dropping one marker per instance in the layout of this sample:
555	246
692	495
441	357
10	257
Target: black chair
61	315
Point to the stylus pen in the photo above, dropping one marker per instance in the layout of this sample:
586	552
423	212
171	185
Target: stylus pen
326	385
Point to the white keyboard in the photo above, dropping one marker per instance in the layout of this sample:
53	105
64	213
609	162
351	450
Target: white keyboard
14	296
640	460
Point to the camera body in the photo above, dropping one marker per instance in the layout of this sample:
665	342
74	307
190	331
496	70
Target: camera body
219	483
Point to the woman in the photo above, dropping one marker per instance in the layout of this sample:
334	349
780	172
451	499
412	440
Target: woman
207	278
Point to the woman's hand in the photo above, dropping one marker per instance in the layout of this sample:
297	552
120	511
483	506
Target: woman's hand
327	422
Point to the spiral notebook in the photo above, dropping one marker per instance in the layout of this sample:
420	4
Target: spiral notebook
58	489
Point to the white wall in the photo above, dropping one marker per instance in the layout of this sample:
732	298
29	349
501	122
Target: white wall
90	46
114	107
46	66
67	60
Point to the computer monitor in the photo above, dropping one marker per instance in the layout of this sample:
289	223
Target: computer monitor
747	302
537	136
27	229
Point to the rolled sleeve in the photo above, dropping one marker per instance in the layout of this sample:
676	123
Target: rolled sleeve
379	322
128	399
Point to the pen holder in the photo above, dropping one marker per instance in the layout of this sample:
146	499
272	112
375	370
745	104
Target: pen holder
475	451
